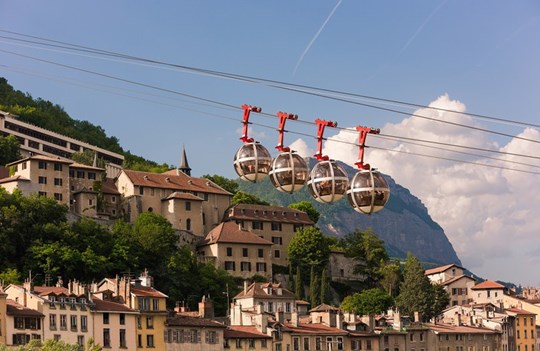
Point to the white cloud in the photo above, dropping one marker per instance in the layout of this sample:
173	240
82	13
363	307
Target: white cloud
489	214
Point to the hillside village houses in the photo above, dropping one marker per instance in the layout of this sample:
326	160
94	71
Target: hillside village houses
124	313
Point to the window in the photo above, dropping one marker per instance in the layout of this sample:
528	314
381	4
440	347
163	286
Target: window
368	344
257	225
287	307
340	343
90	202
80	340
188	206
229	265
306	343
42	165
261	267
276	227
106	337
52	322
263	343
23	165
80	174
245	252
245	266
58	181
91	175
58	196
123	338
318	343
188	224
144	303
260	253
150	341
63	322
277	240
141	190
58	167
19	323
42	180
251	343
105	318
194	336
42	193
84	323
296	344
421	336
277	253
73	322
238	343
205	196
211	337
155	304
113	199
270	307
229	251
411	337
122	318
139	341
149	322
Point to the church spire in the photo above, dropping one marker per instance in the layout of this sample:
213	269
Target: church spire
184	166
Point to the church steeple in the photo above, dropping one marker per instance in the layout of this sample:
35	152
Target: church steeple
184	166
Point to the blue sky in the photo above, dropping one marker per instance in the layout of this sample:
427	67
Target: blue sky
479	57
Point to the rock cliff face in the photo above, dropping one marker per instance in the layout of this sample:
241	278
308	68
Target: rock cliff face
404	224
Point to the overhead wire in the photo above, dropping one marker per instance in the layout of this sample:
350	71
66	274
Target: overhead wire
269	115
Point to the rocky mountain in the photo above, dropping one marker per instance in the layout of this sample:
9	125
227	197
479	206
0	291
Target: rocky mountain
404	224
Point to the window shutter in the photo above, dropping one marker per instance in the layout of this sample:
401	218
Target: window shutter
165	335
206	336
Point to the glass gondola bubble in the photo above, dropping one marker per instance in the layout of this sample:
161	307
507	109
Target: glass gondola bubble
252	162
289	172
327	181
368	191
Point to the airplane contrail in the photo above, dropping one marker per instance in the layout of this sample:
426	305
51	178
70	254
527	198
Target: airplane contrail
315	37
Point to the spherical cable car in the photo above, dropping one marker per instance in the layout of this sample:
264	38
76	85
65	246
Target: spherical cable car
327	181
252	162
368	192
289	172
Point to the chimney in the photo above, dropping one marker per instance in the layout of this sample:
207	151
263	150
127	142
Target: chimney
397	321
339	320
294	318
458	319
259	308
417	317
245	285
206	308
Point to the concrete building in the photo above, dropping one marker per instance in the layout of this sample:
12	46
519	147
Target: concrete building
273	223
23	324
236	250
455	282
193	333
39	141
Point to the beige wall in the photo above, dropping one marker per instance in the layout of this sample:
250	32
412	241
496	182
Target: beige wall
114	326
3	318
459	291
205	342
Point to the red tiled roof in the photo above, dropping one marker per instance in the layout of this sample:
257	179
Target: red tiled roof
109	187
441	269
40	158
182	196
302	302
52	290
314	328
244	332
324	308
15	309
172	180
259	290
519	311
83	166
488	284
146	291
110	306
267	214
185	321
229	232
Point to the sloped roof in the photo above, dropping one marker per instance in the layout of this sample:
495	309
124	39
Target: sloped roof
110	306
518	311
324	308
109	187
83	166
229	232
15	309
259	290
441	269
462	329
314	328
267	214
185	321
244	332
16	178
52	290
459	277
182	196
139	290
488	284
174	180
40	158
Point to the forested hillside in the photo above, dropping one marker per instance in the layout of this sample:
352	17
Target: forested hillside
48	115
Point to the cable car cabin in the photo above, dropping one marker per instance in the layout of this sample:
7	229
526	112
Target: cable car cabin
328	181
252	162
289	172
368	191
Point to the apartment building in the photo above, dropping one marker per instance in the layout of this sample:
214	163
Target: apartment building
455	282
273	223
184	333
525	328
39	141
192	204
246	338
115	325
3	316
236	250
23	324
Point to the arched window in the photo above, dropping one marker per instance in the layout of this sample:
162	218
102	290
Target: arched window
150	209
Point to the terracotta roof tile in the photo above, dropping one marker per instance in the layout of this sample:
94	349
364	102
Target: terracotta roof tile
462	329
109	187
15	309
185	321
449	281
229	232
259	290
324	308
519	311
172	180
146	291
244	332
488	284
267	214
83	166
314	328
52	290
110	306
441	269
183	196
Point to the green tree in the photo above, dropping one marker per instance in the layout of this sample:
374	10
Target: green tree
368	302
299	284
416	293
309	247
391	277
227	184
314	288
441	299
241	197
369	252
9	149
307	207
9	276
325	291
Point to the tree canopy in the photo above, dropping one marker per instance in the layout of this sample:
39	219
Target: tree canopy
227	184
9	149
242	197
309	247
367	302
307	207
